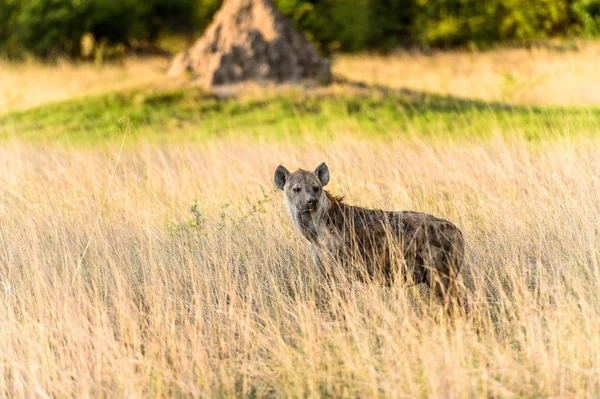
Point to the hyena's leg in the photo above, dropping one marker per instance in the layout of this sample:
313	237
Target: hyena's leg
332	286
444	286
328	266
318	261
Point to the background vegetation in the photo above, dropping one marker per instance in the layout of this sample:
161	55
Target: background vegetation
195	284
145	253
57	27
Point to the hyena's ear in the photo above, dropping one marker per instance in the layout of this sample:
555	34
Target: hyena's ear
281	176
322	173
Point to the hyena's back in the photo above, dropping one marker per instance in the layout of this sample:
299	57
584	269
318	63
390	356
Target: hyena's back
432	248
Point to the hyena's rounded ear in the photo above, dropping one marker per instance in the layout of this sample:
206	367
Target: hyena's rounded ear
281	176
322	173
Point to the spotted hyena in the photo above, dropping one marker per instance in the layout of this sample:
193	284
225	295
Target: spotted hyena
374	245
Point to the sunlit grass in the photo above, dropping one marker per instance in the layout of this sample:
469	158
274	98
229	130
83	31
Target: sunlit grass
569	75
191	115
29	84
196	284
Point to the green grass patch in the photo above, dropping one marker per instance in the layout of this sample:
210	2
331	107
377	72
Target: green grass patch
193	115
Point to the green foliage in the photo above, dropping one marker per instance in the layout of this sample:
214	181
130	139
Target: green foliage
392	23
458	22
40	25
588	12
48	27
8	10
534	19
455	22
352	25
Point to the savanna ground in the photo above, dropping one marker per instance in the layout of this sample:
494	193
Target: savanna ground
194	282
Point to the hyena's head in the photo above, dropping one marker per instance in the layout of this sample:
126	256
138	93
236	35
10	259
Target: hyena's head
303	190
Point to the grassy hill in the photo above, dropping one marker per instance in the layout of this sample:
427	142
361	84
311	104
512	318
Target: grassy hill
192	115
169	268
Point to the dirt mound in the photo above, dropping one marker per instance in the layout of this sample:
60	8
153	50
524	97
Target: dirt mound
251	40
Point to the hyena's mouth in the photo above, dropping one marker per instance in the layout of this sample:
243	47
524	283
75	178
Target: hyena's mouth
308	210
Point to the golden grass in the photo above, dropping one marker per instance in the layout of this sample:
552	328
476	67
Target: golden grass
196	284
520	76
222	301
29	84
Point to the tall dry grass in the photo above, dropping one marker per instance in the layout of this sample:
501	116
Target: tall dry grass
29	84
195	283
519	76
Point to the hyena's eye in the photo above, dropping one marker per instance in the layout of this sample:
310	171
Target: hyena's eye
296	189
316	189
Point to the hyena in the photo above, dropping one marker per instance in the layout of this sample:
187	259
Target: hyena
374	245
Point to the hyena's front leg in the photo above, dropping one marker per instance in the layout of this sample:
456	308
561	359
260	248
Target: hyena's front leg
326	263
318	261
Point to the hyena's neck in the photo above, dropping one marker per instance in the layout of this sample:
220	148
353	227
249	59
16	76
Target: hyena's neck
327	219
311	225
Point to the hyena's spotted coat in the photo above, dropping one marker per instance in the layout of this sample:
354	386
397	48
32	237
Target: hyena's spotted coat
415	245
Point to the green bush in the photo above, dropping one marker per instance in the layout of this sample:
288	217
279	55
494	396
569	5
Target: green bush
51	27
535	19
8	11
588	12
391	23
446	23
352	25
45	26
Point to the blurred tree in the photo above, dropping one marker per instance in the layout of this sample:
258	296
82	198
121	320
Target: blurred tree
50	26
448	23
8	10
588	12
534	19
392	23
53	27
